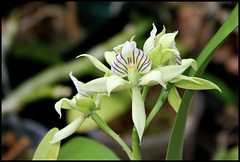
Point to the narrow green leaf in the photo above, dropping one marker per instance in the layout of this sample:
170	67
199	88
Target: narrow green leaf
83	148
175	146
45	150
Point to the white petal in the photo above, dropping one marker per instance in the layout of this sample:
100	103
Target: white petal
171	71
95	62
149	43
65	104
130	56
116	83
78	85
138	111
96	85
110	56
159	36
69	129
167	40
174	99
154	77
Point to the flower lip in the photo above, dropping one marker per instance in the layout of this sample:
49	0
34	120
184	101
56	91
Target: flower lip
130	58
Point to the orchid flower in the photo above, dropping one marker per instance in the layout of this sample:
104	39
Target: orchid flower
132	68
167	61
82	102
128	61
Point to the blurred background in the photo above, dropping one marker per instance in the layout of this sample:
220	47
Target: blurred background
40	43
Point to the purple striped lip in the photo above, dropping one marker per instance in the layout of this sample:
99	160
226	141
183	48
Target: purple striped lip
136	58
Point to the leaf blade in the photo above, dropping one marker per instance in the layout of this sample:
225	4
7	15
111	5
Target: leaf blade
45	150
175	146
83	148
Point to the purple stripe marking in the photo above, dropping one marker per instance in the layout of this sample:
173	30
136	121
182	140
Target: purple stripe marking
121	63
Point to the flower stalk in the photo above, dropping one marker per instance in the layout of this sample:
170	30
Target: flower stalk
136	145
161	99
110	132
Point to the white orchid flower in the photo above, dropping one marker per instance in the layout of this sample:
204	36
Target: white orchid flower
131	62
82	102
132	68
165	56
162	48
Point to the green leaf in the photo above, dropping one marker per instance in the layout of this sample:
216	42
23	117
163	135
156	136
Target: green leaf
175	146
45	150
83	148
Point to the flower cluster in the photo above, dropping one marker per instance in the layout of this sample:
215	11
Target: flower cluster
132	68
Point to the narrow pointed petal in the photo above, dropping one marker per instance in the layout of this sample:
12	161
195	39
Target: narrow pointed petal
155	56
116	83
119	48
174	99
149	43
168	40
109	57
167	53
69	129
78	85
65	104
154	77
95	62
171	71
183	77
195	83
157	38
96	85
138	111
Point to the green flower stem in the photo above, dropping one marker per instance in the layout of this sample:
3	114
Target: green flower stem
110	132
144	92
159	103
136	145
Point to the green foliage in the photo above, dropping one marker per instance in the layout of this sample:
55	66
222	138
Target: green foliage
45	150
226	154
175	147
83	148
